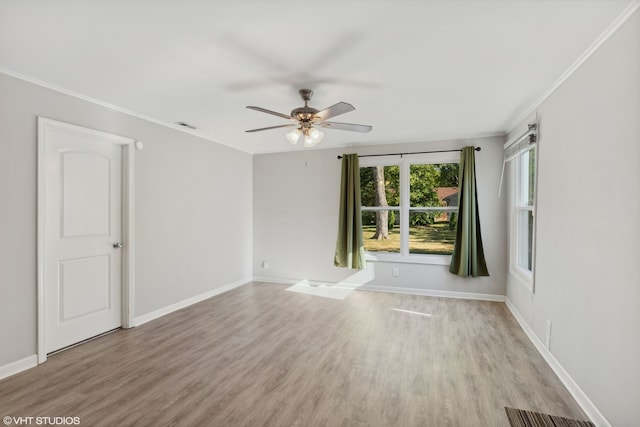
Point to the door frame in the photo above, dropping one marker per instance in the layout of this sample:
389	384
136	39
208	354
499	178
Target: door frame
128	264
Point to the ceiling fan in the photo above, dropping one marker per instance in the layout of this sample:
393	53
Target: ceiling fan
308	119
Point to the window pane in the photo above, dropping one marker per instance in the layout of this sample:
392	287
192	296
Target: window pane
433	185
525	239
531	177
379	186
432	232
527	177
381	231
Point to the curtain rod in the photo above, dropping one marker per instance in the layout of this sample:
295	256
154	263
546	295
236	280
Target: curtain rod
416	152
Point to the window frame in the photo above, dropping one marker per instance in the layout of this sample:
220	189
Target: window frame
519	206
404	163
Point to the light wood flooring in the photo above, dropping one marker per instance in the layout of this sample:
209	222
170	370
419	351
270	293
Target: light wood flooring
263	356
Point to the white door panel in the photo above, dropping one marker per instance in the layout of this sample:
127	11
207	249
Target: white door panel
86	194
82	269
84	286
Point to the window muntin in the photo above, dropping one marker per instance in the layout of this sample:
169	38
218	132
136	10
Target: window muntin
421	207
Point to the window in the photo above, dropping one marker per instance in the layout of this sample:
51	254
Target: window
410	206
380	200
522	250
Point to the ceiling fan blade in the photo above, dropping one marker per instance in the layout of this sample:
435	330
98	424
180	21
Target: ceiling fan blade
272	127
264	110
334	110
346	126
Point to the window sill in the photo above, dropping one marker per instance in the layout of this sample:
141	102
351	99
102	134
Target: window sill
524	277
411	259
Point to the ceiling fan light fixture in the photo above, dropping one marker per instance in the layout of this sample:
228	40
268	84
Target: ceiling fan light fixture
308	142
294	136
312	137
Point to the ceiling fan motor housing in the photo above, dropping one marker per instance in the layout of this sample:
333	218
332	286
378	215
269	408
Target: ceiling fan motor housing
303	114
306	113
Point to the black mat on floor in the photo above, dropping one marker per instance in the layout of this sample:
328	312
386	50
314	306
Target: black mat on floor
521	418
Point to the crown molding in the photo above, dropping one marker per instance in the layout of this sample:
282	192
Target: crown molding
113	107
615	25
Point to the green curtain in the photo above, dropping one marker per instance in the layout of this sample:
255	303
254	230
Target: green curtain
468	256
350	244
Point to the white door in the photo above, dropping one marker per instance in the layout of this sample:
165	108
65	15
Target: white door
82	234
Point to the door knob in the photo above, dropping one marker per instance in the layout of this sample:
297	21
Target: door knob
117	245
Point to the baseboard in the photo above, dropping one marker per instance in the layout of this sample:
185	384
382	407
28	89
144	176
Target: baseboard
433	293
187	302
18	366
580	396
390	289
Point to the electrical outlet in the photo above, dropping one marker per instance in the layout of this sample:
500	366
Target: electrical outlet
395	272
265	264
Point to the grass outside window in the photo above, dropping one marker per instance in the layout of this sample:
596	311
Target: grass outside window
433	239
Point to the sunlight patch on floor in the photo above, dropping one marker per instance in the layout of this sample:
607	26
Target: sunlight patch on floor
326	290
411	312
339	290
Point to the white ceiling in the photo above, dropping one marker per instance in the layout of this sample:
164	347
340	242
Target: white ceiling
414	70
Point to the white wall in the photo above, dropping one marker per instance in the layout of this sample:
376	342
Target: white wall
588	227
296	201
193	211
